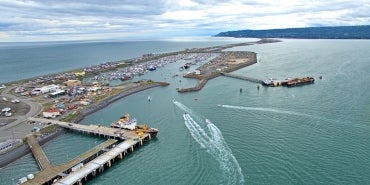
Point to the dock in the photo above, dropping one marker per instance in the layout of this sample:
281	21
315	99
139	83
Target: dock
97	130
49	173
38	153
241	77
97	165
87	165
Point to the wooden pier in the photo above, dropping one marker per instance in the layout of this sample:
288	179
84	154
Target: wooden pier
250	79
88	164
38	153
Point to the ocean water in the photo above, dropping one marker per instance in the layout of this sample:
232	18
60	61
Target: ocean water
313	134
35	59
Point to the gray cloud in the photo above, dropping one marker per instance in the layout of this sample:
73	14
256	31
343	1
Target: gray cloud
38	20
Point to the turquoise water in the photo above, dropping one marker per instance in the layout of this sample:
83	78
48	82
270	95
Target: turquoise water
313	134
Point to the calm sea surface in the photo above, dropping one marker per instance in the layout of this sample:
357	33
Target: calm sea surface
313	134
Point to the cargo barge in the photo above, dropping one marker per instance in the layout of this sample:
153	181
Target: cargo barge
290	82
299	81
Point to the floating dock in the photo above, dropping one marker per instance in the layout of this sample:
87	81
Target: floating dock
88	164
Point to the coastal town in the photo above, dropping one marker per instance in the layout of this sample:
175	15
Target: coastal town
70	96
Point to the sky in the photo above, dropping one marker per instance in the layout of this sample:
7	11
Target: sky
63	20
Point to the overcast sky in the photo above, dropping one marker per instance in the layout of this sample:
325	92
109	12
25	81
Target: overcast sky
50	20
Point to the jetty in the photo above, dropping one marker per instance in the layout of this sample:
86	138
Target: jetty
87	165
241	77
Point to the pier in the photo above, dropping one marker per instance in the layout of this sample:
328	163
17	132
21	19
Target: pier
38	153
90	163
98	130
98	164
49	173
250	79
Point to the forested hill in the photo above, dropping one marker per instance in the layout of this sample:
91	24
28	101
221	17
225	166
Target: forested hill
337	32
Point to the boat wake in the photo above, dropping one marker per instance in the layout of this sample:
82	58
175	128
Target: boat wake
214	143
279	112
264	109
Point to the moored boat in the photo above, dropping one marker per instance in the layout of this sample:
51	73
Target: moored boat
300	81
125	122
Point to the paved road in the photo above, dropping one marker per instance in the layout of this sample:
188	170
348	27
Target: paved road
18	128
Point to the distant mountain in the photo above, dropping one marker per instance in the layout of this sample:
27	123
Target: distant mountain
335	32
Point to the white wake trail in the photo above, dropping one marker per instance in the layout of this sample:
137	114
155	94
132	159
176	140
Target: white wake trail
214	145
225	154
198	135
264	109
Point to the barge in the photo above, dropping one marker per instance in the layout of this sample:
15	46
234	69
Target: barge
290	82
299	81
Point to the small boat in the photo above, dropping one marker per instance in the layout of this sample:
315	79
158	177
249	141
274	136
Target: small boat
187	65
126	77
149	98
151	68
208	122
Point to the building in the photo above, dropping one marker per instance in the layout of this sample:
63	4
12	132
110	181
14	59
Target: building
45	89
57	93
8	144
